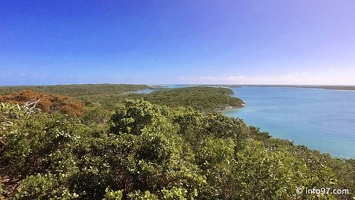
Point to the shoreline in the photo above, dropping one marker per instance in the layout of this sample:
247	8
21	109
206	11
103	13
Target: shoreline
229	107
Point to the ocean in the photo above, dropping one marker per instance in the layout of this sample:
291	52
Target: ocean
320	119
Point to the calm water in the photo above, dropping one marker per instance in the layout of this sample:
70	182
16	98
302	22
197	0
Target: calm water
319	119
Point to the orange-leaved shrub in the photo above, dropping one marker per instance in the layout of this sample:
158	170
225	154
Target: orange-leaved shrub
46	102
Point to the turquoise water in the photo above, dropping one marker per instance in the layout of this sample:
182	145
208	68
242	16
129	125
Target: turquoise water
320	119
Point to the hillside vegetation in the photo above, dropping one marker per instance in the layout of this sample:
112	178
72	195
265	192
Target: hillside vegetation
200	98
77	90
141	150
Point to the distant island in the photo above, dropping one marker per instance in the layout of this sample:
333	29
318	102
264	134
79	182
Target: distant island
330	87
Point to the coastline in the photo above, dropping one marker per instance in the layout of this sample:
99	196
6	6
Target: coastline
229	107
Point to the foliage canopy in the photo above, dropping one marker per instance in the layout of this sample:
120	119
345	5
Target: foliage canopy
150	151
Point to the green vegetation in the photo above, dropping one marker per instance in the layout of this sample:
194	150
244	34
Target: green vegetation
141	150
200	98
77	90
107	96
94	96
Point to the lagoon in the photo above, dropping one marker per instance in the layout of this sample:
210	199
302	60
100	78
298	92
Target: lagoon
320	119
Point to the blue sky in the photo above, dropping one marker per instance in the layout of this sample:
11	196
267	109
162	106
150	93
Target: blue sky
177	41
